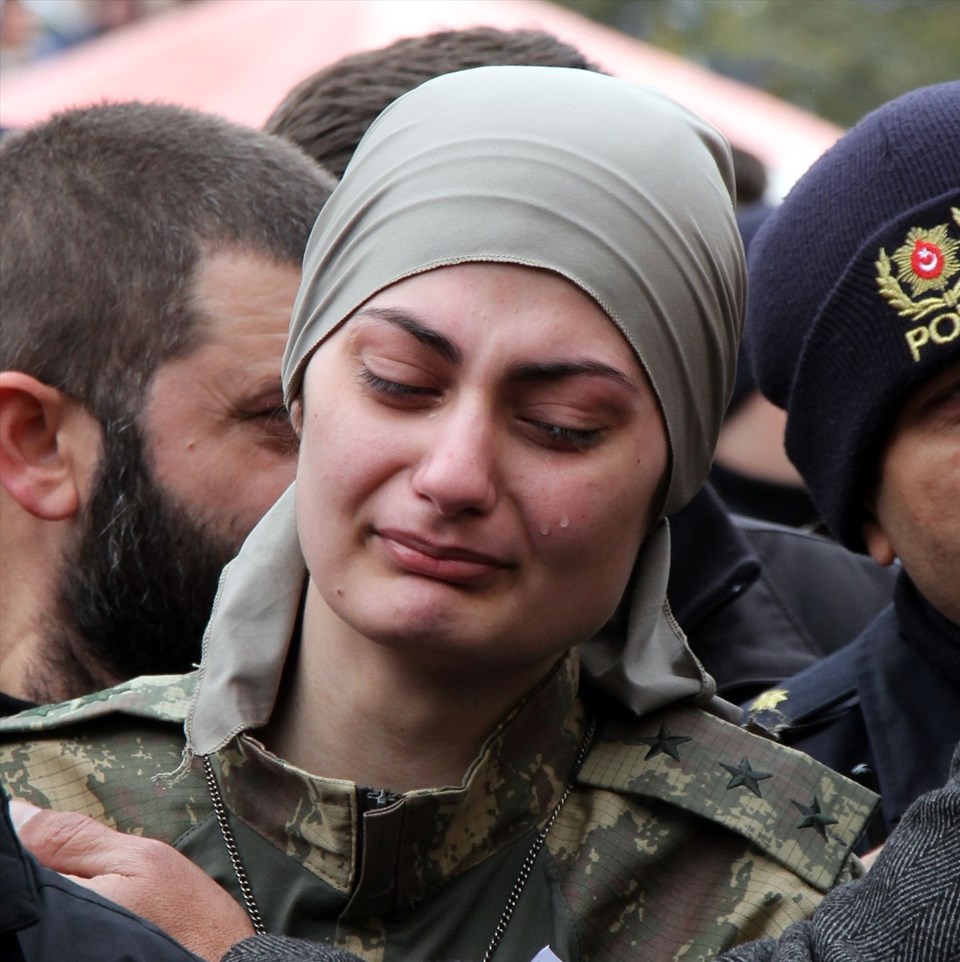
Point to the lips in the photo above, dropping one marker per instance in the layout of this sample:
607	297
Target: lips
452	563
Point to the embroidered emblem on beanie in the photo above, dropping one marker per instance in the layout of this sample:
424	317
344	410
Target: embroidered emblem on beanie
926	262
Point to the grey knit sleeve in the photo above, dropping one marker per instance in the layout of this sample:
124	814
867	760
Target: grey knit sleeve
278	948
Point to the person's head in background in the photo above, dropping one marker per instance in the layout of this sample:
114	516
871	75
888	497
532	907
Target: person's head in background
751	177
328	113
149	257
751	471
855	333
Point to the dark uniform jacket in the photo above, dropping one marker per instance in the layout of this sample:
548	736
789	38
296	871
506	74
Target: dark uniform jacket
760	602
884	710
47	918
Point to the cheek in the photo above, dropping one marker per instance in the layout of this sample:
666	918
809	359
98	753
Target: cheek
607	502
344	453
591	529
911	493
589	561
609	512
346	468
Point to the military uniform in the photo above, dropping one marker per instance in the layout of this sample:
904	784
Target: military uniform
907	908
682	836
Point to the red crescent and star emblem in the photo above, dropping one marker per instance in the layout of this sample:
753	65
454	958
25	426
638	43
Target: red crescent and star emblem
926	260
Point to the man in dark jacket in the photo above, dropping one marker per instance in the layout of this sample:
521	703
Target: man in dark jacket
759	600
854	288
45	917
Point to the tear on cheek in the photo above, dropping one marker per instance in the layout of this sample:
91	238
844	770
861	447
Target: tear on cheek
561	523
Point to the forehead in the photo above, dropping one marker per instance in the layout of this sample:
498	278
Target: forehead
925	422
239	296
928	391
526	307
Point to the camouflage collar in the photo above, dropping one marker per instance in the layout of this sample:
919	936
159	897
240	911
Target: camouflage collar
164	698
389	857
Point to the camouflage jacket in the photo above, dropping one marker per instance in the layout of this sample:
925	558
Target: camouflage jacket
682	835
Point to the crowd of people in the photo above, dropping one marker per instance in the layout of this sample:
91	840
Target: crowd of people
370	589
31	30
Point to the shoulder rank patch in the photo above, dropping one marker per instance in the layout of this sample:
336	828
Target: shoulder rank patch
796	810
925	263
160	697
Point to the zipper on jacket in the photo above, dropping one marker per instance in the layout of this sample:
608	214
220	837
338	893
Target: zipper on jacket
371	800
374	799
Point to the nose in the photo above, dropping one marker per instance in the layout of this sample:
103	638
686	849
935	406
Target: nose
457	469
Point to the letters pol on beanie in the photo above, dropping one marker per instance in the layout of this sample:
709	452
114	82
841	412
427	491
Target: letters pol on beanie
854	287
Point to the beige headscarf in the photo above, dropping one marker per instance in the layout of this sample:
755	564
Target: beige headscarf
613	186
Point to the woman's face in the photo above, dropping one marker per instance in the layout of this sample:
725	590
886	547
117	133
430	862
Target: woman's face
481	458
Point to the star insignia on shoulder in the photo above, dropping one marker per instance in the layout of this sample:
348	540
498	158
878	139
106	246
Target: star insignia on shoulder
663	743
746	776
814	817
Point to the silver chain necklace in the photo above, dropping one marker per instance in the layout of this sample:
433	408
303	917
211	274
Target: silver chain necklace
243	880
246	890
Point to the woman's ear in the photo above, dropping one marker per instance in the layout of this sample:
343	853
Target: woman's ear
49	447
296	415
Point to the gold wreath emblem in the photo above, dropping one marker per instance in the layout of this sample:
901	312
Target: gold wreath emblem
925	261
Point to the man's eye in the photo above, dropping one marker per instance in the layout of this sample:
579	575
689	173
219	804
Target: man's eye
567	439
392	389
274	417
277	427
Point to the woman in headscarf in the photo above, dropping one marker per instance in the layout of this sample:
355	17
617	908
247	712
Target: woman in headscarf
444	710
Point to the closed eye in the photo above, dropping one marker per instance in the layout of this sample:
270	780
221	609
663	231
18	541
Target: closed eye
563	438
393	389
277	428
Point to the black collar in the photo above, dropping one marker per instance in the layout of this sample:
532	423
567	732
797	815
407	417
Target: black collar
701	581
934	637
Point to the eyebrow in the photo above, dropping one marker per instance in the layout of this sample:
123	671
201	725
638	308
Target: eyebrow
558	370
425	335
536	371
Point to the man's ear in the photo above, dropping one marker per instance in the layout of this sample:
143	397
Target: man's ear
49	447
875	538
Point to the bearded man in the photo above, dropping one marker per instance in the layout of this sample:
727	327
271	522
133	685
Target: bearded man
149	257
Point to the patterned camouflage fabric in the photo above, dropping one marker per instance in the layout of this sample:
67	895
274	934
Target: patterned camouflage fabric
683	835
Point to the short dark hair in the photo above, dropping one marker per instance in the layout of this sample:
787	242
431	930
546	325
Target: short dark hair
106	213
328	113
750	175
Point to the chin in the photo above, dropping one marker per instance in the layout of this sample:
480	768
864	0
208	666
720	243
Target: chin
423	632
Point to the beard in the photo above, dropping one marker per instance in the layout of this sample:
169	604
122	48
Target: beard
137	590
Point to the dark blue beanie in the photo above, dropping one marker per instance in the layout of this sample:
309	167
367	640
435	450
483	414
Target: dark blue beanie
854	285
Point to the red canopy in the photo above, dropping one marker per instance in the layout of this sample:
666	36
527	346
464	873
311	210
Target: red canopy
239	57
